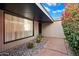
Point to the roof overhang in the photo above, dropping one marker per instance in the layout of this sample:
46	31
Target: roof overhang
41	7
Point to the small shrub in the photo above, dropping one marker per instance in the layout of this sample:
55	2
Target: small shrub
38	41
30	45
39	38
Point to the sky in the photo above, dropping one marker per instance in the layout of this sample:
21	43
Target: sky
54	9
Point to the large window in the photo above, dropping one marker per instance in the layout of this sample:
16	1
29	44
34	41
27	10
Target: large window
17	28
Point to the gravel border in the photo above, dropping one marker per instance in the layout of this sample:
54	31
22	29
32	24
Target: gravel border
22	50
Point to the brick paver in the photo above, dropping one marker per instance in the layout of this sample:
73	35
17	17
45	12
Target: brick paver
54	47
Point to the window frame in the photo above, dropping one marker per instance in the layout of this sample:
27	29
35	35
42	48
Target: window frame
12	13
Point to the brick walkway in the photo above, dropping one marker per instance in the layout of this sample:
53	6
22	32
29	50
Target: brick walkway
48	47
54	47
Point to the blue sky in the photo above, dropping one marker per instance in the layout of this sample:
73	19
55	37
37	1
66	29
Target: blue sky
54	9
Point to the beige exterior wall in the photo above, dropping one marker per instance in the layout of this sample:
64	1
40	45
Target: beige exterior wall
53	29
36	28
1	30
19	42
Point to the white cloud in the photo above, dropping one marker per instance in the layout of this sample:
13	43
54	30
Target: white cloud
63	10
54	4
59	10
51	4
54	11
47	8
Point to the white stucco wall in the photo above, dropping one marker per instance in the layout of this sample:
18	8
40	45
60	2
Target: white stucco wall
53	30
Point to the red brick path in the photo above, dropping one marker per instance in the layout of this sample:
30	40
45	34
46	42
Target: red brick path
54	47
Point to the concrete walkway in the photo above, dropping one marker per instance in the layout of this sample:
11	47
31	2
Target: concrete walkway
54	47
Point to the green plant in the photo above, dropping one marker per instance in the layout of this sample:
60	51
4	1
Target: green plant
71	31
30	45
38	41
39	38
